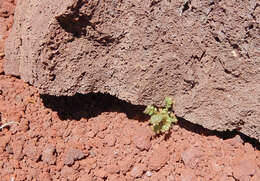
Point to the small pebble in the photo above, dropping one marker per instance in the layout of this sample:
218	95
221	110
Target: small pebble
148	174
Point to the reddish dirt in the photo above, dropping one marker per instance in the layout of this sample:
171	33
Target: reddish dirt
97	137
6	21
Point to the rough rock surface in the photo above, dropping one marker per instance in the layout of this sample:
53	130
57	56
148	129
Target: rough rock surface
205	54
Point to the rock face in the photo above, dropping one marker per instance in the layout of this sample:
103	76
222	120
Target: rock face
205	54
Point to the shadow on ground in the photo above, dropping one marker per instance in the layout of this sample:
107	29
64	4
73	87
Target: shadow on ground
90	105
221	134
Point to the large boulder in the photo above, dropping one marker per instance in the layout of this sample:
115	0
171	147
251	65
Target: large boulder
205	54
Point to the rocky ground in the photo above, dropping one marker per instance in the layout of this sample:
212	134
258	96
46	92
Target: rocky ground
98	137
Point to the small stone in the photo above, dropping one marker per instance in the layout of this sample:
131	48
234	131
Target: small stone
113	169
159	157
101	173
88	164
116	153
31	151
148	173
137	171
110	140
102	125
238	139
76	166
67	171
72	155
48	155
125	139
191	156
125	164
3	142
18	150
142	138
91	134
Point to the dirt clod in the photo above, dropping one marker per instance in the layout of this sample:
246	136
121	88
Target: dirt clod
18	149
137	171
191	156
142	138
73	155
48	155
159	157
110	140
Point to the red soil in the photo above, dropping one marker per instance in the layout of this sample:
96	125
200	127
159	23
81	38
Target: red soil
97	137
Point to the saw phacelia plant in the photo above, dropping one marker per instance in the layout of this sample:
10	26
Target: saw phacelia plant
162	118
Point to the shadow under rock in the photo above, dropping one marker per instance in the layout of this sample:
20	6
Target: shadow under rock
195	128
90	105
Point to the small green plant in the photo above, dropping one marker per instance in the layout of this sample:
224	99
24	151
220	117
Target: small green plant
162	118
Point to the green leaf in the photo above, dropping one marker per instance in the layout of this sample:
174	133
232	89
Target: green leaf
168	102
174	118
164	111
165	127
150	110
156	119
169	119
